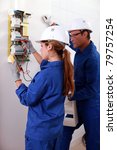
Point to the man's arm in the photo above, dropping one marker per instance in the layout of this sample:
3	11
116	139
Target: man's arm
92	75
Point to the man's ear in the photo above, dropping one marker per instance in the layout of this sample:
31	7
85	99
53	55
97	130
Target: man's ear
85	33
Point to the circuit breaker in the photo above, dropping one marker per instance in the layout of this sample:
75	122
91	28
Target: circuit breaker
18	33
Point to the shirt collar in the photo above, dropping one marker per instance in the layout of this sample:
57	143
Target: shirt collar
45	64
86	50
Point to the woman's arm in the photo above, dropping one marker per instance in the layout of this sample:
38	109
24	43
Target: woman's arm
31	49
37	56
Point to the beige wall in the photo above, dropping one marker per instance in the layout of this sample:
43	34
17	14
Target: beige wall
12	114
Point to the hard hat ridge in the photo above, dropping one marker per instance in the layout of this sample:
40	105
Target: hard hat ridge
55	33
79	24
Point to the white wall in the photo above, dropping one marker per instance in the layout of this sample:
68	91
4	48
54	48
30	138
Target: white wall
12	114
66	10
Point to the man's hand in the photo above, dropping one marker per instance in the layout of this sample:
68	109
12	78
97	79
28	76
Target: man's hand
69	97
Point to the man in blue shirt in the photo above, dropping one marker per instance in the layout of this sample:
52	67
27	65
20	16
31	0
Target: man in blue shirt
87	86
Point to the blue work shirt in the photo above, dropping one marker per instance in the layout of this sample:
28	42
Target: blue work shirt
87	76
44	97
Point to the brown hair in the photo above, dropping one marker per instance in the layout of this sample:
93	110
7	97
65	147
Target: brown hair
88	33
64	54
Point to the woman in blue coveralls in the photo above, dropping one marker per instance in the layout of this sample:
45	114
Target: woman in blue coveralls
87	86
46	93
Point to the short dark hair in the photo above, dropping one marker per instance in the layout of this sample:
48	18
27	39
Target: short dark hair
88	31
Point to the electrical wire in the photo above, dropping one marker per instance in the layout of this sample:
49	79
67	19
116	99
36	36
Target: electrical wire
20	60
27	72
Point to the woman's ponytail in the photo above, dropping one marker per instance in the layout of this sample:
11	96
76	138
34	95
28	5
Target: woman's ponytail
68	73
64	55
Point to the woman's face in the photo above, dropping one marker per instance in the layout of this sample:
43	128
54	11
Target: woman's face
44	50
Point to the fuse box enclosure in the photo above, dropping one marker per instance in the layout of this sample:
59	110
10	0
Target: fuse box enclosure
17	33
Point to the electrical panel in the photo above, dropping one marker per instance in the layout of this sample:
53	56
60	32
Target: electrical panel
18	33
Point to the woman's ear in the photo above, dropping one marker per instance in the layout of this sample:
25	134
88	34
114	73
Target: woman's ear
49	47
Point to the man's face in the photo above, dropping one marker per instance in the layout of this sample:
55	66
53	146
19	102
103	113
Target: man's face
77	38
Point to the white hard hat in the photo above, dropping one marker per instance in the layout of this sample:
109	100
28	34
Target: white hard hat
55	33
79	24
